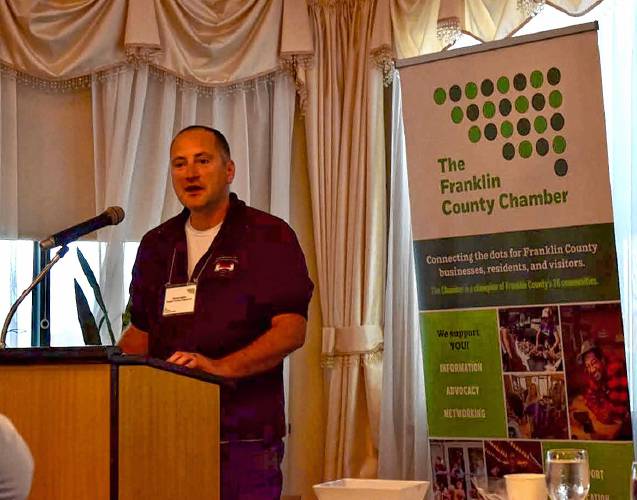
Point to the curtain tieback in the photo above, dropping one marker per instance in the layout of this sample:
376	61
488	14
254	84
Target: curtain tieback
352	341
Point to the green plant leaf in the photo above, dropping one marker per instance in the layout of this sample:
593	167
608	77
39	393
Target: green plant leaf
90	276
90	332
126	314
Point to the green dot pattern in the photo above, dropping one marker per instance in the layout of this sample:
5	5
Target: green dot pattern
457	114
539	124
474	134
555	99
525	149
559	144
541	104
471	90
537	79
440	96
488	109
503	84
506	129
522	104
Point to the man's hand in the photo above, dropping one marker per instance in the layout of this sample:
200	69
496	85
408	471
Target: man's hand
198	361
286	334
134	341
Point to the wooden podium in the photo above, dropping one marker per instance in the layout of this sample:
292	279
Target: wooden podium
105	426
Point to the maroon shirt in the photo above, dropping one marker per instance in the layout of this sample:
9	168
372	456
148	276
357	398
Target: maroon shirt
253	271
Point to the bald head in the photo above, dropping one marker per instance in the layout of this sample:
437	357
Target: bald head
222	142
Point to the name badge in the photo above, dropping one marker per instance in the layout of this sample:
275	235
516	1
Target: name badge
180	299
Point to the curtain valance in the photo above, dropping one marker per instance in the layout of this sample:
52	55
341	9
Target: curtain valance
209	43
425	26
219	43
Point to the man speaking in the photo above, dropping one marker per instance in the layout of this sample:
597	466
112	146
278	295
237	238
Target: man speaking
223	288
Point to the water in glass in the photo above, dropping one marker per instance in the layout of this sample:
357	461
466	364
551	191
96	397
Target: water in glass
567	474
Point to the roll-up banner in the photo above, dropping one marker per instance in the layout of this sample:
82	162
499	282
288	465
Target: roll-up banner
521	326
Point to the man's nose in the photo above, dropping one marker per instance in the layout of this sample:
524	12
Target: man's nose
192	171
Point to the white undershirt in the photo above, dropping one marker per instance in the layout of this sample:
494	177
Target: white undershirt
198	243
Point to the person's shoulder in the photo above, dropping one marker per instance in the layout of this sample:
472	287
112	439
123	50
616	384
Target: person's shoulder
260	217
10	438
249	215
267	226
16	462
6	426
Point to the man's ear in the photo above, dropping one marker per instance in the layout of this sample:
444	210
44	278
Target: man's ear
230	169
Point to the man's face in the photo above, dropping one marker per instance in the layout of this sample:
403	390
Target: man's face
200	172
594	366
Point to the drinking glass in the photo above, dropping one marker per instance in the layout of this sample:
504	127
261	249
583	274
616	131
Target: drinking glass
567	475
633	482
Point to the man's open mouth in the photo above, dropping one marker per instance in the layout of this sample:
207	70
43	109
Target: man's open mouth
193	189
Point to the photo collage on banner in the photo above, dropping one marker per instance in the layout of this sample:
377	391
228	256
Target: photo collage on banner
521	325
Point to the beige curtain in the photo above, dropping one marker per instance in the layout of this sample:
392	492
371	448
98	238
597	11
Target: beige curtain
425	26
53	39
8	155
64	49
210	43
347	181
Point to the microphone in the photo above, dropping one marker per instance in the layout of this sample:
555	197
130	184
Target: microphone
110	216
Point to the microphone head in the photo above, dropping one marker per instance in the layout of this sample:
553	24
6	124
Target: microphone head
115	214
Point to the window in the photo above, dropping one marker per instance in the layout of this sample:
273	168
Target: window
16	270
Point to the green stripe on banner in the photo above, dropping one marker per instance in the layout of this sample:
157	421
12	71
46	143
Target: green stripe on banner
463	373
546	266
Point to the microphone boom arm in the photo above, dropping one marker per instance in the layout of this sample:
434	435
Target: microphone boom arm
5	328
